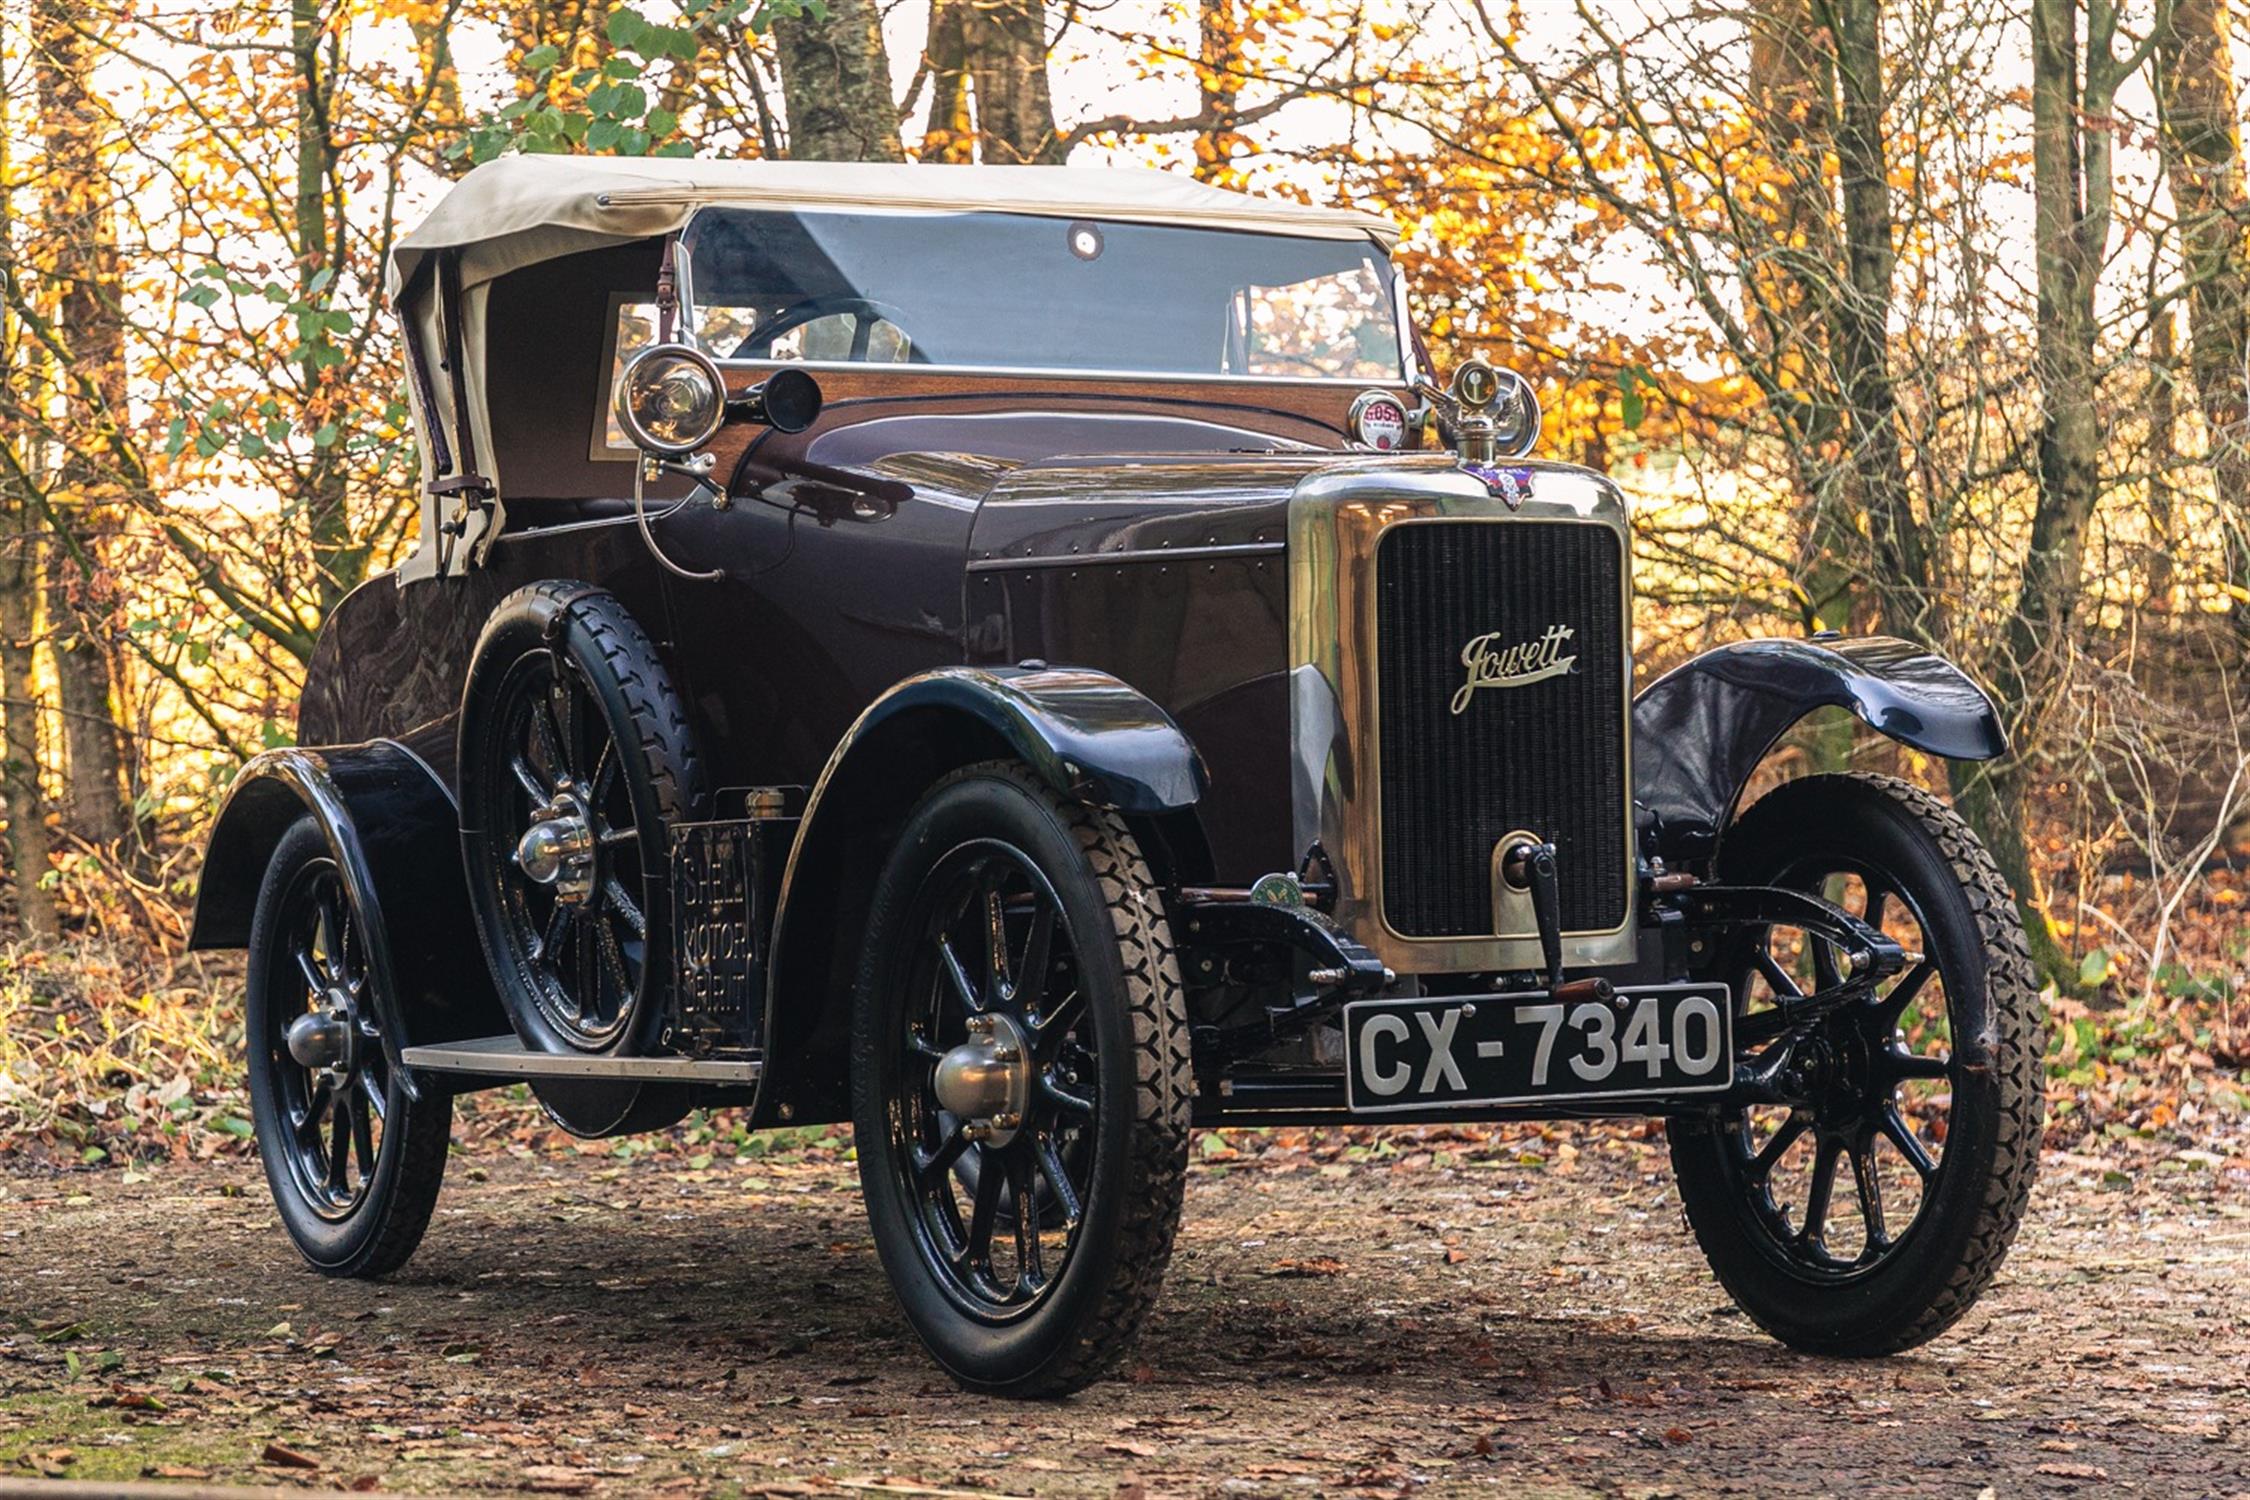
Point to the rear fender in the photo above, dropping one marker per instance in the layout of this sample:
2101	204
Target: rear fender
1701	729
391	828
1087	734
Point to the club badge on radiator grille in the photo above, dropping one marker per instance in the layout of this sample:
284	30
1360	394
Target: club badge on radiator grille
1508	485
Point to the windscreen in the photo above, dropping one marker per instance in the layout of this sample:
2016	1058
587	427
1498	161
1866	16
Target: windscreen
995	291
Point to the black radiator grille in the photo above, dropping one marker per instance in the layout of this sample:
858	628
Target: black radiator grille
1545	756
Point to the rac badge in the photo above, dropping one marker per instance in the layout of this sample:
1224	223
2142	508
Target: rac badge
1508	485
1495	666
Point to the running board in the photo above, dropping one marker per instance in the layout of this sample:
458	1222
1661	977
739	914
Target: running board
508	1057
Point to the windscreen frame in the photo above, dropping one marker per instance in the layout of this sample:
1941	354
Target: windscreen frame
1391	279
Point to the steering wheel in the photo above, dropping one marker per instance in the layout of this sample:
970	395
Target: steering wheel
866	312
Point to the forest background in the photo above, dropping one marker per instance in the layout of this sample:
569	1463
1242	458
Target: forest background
1891	315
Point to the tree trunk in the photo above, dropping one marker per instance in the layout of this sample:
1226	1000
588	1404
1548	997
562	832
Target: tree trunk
989	100
1860	326
1789	279
836	85
1218	77
951	132
30	849
1007	51
2163	457
1789	257
82	262
1789	262
2073	90
2201	142
339	560
2071	189
1989	797
433	49
94	795
30	852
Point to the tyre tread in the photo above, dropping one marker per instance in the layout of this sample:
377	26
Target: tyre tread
404	1217
1164	1083
1165	1079
655	733
660	722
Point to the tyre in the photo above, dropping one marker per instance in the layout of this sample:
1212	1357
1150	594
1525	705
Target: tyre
354	1163
1866	1215
575	761
1020	1082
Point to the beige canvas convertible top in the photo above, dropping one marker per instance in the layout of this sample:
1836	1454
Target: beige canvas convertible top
520	210
528	211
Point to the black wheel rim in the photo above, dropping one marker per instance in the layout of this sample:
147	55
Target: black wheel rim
996	1222
332	1117
1838	1181
582	956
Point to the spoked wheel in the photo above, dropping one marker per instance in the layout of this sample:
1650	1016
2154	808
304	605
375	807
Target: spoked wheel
334	1088
1020	1083
1866	1212
353	1161
574	892
1840	1177
999	1138
575	761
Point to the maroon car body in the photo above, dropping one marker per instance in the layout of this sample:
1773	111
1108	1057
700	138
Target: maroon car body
1128	510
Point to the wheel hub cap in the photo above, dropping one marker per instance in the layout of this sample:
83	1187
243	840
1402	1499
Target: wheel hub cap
986	1080
322	1039
558	849
1844	1088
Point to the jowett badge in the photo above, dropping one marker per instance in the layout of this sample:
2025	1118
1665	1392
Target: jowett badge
1493	666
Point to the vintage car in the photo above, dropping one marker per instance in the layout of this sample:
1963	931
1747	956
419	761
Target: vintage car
1029	661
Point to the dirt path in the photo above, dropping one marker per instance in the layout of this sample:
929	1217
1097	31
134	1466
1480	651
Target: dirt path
1386	1326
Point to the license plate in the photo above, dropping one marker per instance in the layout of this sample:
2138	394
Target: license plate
1474	1050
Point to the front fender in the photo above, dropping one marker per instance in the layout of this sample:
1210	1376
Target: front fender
1087	734
390	826
1701	729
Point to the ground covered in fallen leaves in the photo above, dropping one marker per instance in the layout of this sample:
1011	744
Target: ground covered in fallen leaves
1347	1314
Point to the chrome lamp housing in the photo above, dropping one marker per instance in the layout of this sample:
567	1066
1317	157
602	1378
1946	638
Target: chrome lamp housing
671	400
1488	412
